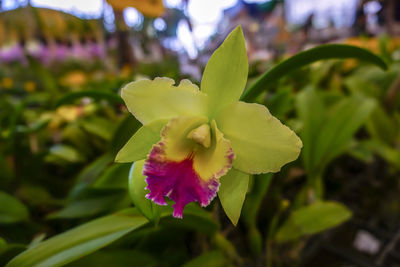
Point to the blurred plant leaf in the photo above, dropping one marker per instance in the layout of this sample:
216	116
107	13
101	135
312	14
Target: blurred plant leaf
251	208
281	102
125	130
9	251
99	127
137	191
141	142
195	218
254	198
388	153
92	205
326	133
114	177
311	112
11	209
381	126
342	122
116	258
329	51
70	98
90	173
232	192
64	154
214	258
312	219
80	241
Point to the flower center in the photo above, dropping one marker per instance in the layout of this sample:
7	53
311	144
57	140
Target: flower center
201	135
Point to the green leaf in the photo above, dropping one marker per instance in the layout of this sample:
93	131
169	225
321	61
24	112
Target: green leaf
327	132
95	94
225	74
330	51
64	153
137	191
312	219
381	126
311	111
99	127
114	177
140	144
90	173
261	144
195	218
11	209
388	153
254	198
103	201
116	258
80	241
125	130
342	122
214	258
232	193
10	251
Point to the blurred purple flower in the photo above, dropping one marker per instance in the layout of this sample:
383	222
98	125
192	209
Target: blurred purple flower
12	53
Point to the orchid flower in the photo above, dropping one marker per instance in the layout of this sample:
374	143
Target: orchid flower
194	140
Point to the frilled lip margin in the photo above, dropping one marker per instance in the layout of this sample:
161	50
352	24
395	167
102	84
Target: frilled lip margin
176	180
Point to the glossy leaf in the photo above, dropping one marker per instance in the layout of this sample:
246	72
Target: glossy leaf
137	192
232	193
329	51
80	241
312	219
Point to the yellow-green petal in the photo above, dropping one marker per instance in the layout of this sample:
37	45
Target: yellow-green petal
260	141
150	100
141	142
232	193
226	72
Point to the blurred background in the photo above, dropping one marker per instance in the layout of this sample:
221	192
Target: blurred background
63	62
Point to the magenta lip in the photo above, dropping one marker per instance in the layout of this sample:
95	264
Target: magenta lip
178	181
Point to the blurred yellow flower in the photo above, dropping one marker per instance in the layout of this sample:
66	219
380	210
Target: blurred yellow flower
30	86
7	82
150	8
68	113
74	79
